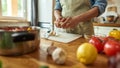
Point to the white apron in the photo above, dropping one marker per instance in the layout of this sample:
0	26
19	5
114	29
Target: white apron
75	7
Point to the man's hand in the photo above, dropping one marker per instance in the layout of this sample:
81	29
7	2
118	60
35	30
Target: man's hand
70	22
59	21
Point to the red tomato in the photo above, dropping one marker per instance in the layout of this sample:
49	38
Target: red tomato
97	42
111	47
105	39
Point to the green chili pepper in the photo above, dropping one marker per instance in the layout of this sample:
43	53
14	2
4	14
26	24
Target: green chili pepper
0	64
44	66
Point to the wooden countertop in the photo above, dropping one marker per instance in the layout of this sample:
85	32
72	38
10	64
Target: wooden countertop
38	58
107	24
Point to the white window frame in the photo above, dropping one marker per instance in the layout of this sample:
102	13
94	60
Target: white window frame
15	19
0	8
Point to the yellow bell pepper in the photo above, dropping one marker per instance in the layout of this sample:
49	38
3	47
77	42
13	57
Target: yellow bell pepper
115	33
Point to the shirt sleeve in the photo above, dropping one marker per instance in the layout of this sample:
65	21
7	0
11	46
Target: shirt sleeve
101	4
58	5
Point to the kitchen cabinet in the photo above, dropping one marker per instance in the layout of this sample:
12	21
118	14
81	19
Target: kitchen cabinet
37	58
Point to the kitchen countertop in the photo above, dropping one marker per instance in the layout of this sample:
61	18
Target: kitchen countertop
38	58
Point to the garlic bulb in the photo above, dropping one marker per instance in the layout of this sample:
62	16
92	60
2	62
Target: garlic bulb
44	48
59	56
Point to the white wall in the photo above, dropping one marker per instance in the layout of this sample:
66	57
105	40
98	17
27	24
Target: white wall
45	10
29	9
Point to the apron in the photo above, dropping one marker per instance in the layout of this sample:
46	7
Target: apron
75	7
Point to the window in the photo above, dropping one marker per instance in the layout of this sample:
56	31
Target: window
13	10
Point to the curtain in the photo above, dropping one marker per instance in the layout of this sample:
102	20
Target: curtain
34	13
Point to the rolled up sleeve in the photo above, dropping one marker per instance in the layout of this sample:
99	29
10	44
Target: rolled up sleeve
101	4
58	5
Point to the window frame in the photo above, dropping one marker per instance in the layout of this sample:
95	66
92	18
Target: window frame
15	19
0	9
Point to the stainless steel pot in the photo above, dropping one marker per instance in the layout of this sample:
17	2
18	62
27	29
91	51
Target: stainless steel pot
19	40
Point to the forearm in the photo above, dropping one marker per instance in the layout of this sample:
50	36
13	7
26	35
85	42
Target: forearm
94	12
57	13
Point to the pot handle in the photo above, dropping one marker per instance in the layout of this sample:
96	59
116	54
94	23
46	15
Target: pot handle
23	36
